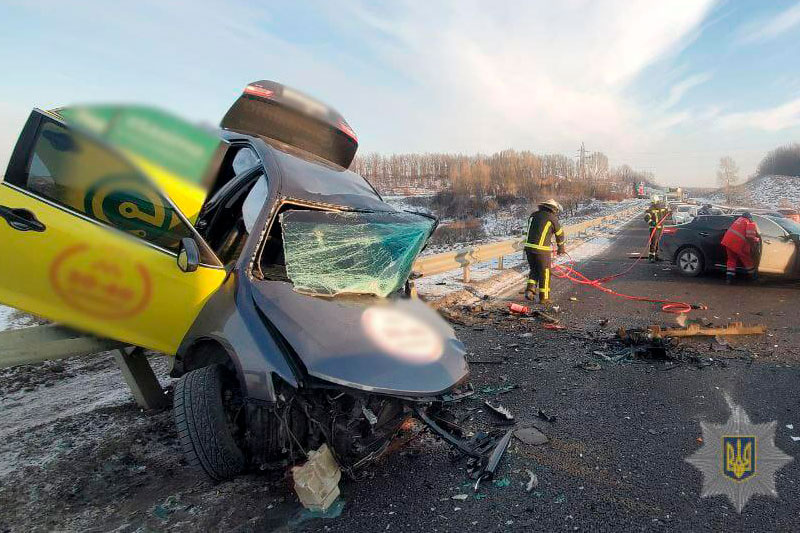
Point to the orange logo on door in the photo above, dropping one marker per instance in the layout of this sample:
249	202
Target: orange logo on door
99	283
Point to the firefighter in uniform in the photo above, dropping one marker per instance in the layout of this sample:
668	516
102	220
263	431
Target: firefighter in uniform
655	215
543	225
740	241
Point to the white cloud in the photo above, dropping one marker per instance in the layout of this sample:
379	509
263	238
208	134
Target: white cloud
764	30
771	119
679	90
542	75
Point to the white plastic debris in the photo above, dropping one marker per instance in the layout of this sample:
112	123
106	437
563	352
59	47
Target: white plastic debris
533	482
317	481
789	426
795	439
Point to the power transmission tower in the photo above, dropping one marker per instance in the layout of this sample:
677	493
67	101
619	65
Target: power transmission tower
582	162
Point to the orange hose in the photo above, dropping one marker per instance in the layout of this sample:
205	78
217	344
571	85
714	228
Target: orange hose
569	273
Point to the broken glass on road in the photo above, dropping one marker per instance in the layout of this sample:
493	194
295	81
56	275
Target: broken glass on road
329	253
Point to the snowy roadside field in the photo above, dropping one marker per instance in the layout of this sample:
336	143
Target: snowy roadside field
767	192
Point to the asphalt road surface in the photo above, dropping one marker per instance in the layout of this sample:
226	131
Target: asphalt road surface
615	460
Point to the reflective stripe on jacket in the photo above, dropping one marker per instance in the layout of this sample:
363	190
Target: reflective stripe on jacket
542	226
655	214
740	235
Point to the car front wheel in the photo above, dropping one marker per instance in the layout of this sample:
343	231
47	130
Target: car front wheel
205	409
690	262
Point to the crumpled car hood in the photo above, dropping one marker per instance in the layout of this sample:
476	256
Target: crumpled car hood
373	344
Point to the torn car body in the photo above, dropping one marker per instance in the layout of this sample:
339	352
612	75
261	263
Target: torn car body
284	300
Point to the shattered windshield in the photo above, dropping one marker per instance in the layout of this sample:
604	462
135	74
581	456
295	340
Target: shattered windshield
329	253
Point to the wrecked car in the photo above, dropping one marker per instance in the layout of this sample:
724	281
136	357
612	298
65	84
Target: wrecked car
283	293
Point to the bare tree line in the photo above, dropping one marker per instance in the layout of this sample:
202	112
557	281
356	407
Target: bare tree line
782	161
473	181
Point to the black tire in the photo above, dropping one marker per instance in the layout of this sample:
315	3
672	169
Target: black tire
690	262
203	426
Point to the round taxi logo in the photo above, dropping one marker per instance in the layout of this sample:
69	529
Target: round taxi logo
129	204
101	283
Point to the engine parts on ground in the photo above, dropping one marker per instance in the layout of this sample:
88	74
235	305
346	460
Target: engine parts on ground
316	482
358	428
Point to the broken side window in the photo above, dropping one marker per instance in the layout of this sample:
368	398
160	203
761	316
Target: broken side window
329	253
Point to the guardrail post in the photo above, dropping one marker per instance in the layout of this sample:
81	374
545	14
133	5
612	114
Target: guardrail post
140	378
500	263
465	277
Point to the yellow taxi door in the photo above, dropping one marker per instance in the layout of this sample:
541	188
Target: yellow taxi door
89	242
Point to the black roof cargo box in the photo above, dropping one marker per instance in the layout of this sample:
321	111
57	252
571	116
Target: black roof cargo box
270	109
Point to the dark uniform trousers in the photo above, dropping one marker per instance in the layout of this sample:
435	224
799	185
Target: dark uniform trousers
539	277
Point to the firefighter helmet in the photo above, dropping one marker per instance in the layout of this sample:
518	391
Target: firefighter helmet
552	205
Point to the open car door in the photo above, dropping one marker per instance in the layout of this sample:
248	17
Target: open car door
181	158
89	241
777	249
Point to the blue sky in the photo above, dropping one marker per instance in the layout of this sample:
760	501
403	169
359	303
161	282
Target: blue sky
668	87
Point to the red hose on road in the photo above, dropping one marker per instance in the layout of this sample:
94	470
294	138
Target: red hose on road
670	306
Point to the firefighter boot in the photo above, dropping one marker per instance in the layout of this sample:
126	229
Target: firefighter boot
530	291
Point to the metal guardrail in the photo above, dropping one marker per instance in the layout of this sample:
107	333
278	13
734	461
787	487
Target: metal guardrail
43	343
470	255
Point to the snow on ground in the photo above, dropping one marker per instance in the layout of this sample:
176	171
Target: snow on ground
10	318
767	192
40	395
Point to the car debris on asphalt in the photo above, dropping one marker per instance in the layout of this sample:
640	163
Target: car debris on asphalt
503	415
531	435
533	481
316	482
487	467
734	328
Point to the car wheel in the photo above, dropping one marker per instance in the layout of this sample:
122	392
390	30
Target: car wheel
205	414
690	262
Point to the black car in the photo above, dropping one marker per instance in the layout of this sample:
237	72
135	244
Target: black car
695	247
284	303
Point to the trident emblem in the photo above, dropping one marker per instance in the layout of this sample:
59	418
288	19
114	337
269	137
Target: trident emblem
739	461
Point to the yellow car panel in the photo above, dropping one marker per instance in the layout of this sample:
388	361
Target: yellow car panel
93	278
